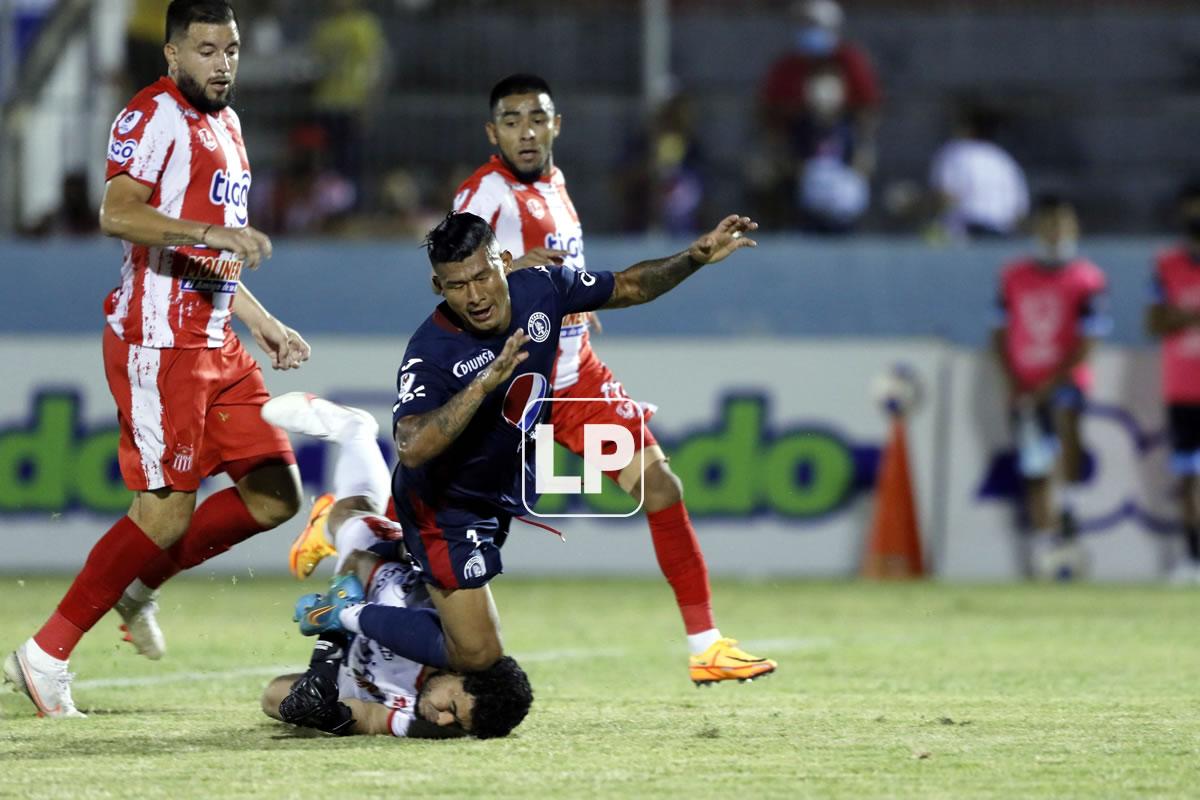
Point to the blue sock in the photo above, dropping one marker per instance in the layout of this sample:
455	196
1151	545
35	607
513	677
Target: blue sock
412	633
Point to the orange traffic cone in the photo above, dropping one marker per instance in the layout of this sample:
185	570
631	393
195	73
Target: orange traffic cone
894	545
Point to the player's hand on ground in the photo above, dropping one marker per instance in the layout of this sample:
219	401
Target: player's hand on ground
250	245
286	347
721	241
313	703
510	357
539	257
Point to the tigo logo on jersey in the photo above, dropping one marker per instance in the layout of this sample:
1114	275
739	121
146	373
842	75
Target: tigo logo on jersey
538	327
129	122
206	138
121	152
229	191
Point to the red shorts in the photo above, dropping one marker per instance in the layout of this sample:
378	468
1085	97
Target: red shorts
596	380
185	414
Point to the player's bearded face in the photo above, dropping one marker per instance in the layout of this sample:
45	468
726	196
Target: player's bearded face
204	65
523	128
476	289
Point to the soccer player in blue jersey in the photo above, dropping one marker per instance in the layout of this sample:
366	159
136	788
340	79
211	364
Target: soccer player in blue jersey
468	392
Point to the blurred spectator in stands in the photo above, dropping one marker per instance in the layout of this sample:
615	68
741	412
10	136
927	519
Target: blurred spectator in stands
306	196
979	188
349	48
75	217
401	210
819	101
145	33
660	180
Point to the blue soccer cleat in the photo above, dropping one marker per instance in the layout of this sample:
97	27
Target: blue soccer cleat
318	613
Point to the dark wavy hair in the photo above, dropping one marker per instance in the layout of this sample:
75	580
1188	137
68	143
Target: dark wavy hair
502	698
457	237
181	14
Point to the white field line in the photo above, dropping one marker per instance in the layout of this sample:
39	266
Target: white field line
767	646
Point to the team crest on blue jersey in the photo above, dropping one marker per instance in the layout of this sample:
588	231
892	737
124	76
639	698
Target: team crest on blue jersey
523	400
538	327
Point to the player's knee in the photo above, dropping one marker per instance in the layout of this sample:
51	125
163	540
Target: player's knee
273	495
663	487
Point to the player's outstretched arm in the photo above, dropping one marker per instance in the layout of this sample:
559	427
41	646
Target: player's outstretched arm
126	213
420	437
286	347
647	280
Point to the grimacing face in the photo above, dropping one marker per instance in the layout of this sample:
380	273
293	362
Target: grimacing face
523	128
443	702
476	289
204	64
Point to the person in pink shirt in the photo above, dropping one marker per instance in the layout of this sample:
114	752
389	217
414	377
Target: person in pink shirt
1051	313
1174	317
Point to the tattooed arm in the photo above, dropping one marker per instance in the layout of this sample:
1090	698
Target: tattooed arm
420	437
647	280
126	213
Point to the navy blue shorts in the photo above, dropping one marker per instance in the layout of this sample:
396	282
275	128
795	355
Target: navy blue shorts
455	548
1184	429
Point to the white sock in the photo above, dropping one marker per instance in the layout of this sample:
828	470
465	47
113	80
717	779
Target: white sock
354	534
40	659
139	592
359	468
348	617
699	642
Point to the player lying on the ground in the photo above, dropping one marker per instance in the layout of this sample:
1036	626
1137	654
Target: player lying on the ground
355	684
469	390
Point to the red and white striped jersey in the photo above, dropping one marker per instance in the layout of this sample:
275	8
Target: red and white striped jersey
529	215
196	165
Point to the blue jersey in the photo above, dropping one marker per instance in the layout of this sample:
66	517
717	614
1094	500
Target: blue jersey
482	468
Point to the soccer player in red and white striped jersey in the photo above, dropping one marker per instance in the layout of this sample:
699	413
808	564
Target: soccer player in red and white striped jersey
523	195
188	395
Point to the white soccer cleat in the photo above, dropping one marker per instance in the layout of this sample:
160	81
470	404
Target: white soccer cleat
305	413
44	680
141	626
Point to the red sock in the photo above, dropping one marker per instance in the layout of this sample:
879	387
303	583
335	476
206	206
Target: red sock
218	524
114	562
682	563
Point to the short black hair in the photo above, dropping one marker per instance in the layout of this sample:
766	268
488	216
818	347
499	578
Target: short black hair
456	237
1051	201
502	698
181	14
519	83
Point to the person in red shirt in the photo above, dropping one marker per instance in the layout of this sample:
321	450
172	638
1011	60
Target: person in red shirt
1051	313
188	395
824	75
1174	317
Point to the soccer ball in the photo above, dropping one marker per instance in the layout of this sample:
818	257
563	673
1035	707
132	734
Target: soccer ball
897	390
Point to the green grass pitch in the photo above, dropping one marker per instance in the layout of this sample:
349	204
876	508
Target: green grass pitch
920	690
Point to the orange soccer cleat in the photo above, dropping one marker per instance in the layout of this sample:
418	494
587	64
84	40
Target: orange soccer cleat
312	545
725	661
